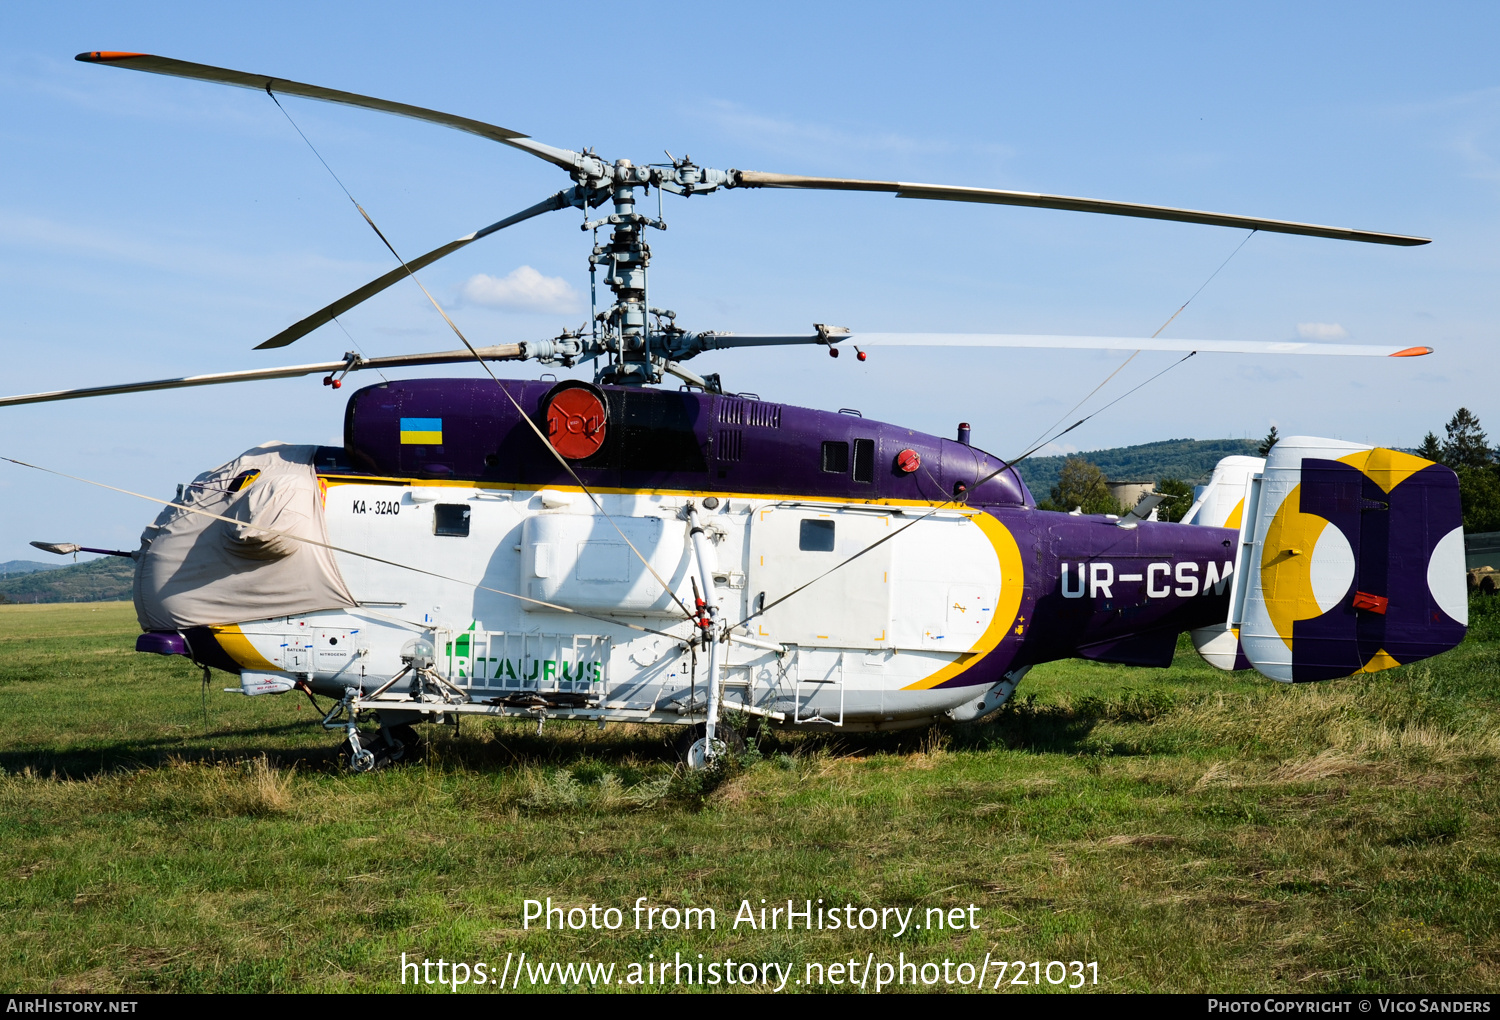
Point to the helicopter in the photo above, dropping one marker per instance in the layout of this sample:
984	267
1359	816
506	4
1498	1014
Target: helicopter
615	550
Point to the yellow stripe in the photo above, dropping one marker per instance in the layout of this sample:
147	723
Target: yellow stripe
422	438
1234	515
1379	661
1012	587
1286	565
238	647
1386	468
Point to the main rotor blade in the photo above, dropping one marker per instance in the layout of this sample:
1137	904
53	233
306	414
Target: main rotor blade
995	196
565	158
327	313
1085	343
499	352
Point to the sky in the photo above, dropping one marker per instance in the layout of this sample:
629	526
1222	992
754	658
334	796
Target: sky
154	227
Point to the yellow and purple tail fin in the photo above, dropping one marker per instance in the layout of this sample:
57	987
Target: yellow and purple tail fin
1350	560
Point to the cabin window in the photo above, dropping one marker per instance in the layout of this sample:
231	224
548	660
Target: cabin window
864	460
451	519
816	536
835	457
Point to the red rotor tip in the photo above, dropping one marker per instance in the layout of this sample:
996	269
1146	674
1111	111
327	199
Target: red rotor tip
99	56
1412	352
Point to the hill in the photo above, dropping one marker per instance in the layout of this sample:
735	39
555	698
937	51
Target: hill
15	568
1191	460
106	579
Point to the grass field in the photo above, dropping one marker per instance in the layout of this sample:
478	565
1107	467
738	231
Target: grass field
1188	830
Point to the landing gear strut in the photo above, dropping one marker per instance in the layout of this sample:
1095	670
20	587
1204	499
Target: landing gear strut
393	743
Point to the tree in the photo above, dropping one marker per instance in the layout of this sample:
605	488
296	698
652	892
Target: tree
1466	444
1268	442
1479	494
1181	502
1082	484
1431	449
1466	449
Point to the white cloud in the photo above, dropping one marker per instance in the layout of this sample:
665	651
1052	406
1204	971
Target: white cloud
1056	450
523	290
1321	331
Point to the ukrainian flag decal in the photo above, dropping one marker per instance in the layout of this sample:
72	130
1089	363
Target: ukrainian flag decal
422	431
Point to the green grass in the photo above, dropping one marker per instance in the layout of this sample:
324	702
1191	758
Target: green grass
1189	830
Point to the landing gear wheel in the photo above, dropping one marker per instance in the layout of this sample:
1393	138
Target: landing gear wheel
409	744
362	761
692	747
697	756
382	748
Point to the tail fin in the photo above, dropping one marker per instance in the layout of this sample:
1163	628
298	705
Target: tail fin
1351	560
1221	504
1356	563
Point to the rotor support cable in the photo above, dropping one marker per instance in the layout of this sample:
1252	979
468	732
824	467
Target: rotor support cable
1040	442
340	549
345	330
1128	360
687	613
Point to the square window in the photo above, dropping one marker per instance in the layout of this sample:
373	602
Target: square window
451	519
835	457
864	460
816	536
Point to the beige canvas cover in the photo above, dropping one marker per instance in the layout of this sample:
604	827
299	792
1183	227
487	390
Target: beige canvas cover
193	570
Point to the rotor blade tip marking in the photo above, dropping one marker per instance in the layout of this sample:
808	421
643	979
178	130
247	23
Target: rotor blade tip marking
1412	352
98	56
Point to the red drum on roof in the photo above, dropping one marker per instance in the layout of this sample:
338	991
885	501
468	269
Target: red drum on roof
576	421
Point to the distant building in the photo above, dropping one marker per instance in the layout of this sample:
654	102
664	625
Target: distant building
1128	494
1482	550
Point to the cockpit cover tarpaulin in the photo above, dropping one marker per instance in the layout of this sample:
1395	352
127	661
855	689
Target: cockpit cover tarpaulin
193	570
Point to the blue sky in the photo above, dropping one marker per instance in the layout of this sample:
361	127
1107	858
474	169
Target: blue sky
153	227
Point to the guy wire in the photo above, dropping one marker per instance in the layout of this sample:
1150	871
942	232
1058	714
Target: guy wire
1039	442
1159	329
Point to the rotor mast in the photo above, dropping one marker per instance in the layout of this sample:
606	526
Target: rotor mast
624	258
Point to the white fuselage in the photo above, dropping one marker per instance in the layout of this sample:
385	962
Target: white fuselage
862	647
